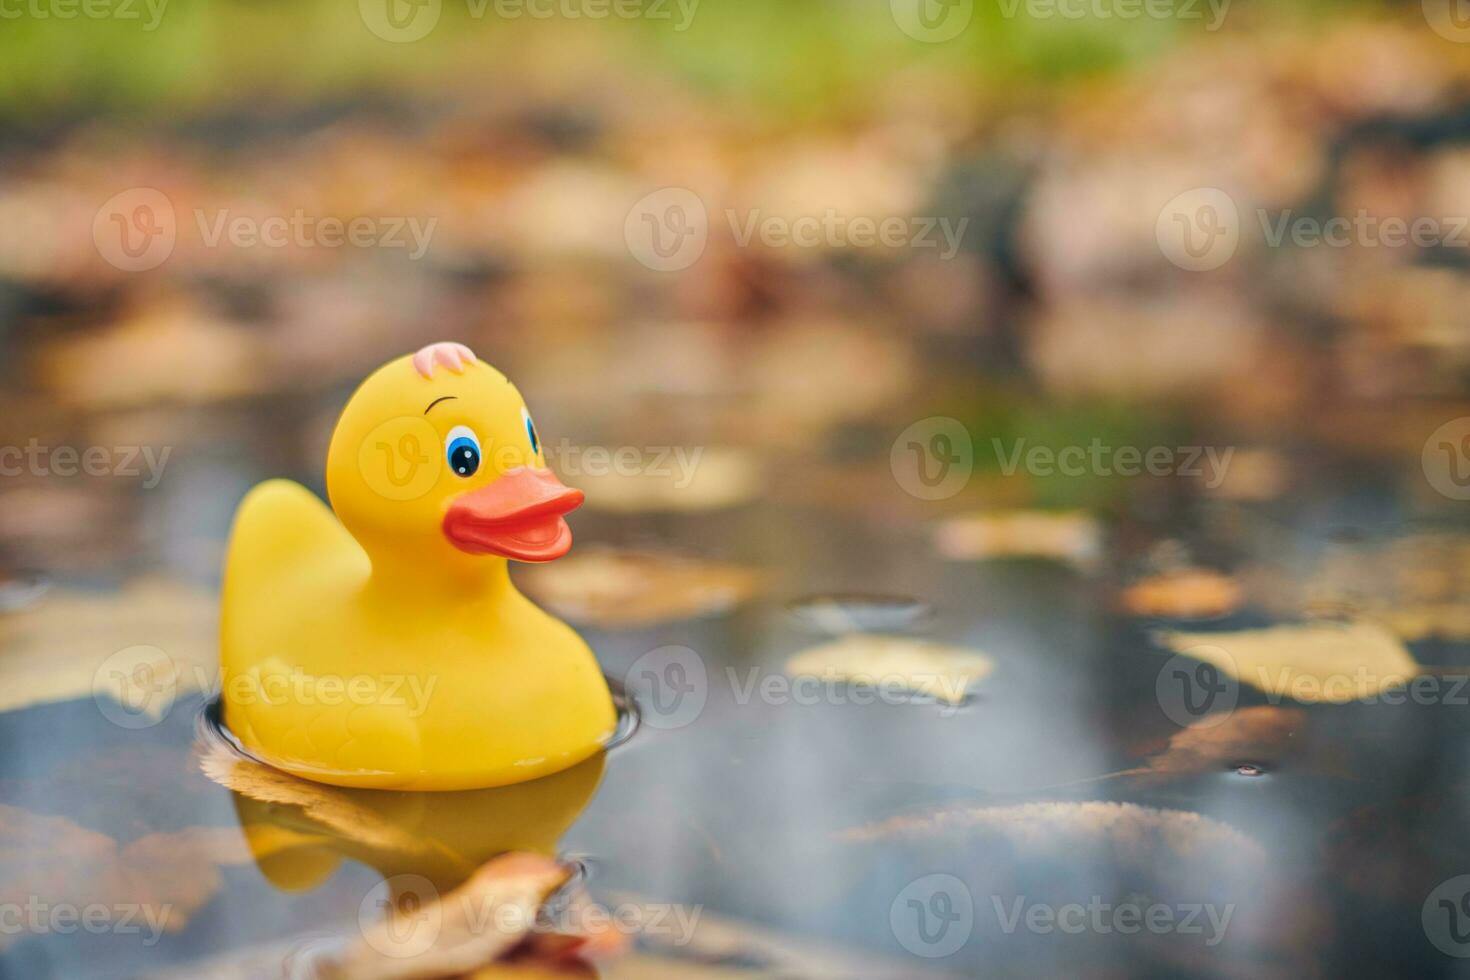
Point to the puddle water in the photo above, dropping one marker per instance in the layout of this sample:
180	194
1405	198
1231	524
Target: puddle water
913	833
21	590
857	613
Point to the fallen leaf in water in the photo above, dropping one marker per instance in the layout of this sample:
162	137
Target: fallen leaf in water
1414	585
1134	834
325	804
1449	621
1331	663
715	944
610	588
163	877
441	936
1252	475
1069	536
941	672
172	350
1190	593
658	968
1247	736
864	371
704	478
77	644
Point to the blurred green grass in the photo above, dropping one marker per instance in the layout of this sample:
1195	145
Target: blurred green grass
795	57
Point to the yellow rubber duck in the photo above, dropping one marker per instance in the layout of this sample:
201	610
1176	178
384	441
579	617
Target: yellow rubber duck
387	647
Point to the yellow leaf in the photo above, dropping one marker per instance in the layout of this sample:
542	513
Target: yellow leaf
611	588
1137	835
1191	593
144	646
711	479
1331	663
942	672
1069	536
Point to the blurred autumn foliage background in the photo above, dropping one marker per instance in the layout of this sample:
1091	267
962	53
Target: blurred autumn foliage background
527	141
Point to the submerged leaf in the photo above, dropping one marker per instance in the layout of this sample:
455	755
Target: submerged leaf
1328	663
77	644
1133	834
1190	593
1251	736
941	672
1069	536
611	588
469	927
699	479
318	801
164	877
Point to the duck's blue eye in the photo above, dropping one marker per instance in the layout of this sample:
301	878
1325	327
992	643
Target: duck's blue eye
531	431
463	448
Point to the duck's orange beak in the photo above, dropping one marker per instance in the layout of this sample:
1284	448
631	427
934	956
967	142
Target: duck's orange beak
518	516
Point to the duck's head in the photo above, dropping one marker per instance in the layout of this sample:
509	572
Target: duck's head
436	457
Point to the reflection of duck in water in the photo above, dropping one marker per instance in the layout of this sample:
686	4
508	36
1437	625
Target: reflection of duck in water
386	647
299	832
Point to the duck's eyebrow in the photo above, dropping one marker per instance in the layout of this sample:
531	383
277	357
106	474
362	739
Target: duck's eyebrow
446	398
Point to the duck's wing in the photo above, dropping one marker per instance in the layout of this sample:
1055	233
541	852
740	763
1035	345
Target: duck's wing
279	526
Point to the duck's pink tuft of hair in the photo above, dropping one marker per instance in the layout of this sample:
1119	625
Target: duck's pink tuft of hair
452	356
